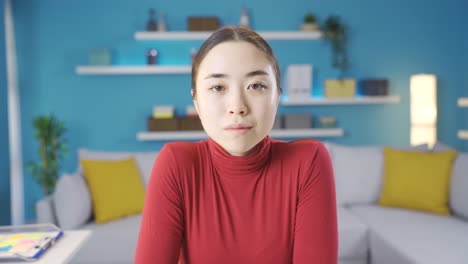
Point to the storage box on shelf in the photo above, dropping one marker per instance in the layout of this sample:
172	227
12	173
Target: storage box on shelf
340	88
174	124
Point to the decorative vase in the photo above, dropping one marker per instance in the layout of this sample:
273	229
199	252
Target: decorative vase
162	23
151	25
310	27
45	212
244	18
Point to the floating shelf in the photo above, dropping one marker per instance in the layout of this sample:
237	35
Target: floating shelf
202	35
391	99
463	102
275	133
463	134
114	70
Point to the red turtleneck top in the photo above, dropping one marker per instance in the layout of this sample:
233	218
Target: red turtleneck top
276	205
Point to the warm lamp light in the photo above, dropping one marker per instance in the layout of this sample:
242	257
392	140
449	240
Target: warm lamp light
423	92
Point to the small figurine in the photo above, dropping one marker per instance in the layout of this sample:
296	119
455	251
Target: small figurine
162	22
244	18
151	25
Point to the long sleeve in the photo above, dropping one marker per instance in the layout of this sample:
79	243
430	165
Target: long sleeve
162	227
316	234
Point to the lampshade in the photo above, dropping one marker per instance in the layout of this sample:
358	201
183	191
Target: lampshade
423	92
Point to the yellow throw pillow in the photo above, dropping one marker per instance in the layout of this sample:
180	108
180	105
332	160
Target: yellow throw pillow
116	188
417	180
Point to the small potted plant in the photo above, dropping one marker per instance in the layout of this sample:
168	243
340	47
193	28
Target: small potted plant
335	33
49	131
310	23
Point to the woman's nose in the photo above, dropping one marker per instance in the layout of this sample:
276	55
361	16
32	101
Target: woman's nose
237	105
239	110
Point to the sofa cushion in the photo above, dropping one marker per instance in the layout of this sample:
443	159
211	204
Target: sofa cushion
113	242
414	236
358	173
439	146
72	202
459	186
116	188
352	236
417	180
144	160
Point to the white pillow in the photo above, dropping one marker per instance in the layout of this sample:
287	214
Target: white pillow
145	163
72	201
144	160
458	197
439	146
358	173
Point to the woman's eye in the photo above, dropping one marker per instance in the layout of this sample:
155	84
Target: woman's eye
257	86
217	88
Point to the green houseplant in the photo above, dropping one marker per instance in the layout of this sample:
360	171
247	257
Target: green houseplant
336	34
310	22
310	18
49	131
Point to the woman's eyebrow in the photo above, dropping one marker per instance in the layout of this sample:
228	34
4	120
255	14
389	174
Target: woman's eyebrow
254	73
249	74
216	75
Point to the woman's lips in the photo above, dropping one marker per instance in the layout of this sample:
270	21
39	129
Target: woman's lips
238	130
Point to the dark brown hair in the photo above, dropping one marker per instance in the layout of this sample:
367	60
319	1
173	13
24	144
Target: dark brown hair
234	33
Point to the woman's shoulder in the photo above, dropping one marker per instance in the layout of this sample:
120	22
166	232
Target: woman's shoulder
183	150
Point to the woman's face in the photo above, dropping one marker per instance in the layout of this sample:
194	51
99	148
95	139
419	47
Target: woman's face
236	96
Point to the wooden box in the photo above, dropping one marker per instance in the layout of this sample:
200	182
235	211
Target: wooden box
162	124
190	123
202	23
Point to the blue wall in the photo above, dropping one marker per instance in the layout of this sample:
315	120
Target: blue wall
464	86
4	151
390	39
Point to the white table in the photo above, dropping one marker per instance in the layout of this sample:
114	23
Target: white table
63	250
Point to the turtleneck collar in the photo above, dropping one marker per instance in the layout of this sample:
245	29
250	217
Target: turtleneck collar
234	166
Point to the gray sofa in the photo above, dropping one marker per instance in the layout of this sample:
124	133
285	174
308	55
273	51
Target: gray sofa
368	233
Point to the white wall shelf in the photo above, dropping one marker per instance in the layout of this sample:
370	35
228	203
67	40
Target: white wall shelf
202	35
463	102
144	69
275	133
391	99
463	134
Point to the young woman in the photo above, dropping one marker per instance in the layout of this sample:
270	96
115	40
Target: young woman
240	196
